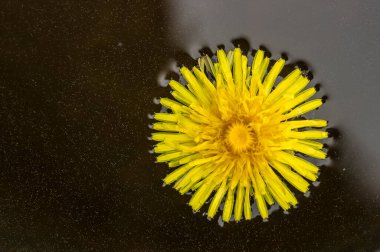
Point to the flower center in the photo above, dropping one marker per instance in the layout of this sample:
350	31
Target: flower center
239	137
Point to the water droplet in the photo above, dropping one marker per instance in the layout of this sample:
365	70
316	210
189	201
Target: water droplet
150	116
316	183
209	200
220	221
307	194
221	206
161	79
163	184
156	100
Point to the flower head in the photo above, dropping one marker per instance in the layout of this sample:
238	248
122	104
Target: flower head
233	135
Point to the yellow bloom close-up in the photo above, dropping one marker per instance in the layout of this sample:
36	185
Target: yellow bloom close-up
233	134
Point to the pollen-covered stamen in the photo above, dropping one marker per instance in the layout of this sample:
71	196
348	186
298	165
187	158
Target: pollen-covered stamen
239	137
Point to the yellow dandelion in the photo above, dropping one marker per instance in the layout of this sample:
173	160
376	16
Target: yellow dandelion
232	135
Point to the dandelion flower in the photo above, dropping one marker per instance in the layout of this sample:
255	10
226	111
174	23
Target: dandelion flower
230	134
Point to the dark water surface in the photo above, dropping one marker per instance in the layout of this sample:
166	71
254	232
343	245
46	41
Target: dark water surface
78	79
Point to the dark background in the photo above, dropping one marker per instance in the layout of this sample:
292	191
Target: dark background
77	82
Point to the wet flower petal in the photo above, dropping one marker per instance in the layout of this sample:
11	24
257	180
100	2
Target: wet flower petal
234	136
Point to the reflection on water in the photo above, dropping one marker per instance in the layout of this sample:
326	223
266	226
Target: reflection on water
348	185
196	24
